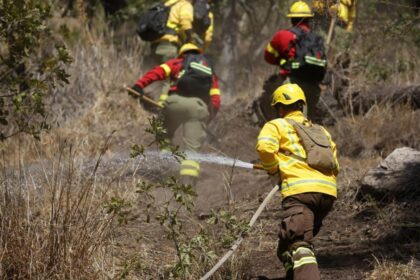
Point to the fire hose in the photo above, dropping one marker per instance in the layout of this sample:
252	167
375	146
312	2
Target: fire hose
254	218
236	244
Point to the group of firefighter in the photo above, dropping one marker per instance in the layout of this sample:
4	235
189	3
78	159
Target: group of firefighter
300	153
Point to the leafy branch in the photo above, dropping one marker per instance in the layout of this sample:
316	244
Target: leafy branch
33	65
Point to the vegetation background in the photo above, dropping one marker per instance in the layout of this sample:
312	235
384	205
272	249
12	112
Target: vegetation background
73	205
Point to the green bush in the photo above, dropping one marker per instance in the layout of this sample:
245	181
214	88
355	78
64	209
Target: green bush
32	64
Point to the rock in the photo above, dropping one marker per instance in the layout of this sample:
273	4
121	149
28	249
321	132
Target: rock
397	176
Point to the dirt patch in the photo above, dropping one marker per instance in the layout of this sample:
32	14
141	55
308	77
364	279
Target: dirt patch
354	235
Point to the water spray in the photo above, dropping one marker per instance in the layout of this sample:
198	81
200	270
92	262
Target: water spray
220	160
209	158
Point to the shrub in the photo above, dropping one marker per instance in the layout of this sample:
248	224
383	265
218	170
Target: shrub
32	65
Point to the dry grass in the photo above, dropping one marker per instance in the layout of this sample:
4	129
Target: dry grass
363	141
388	270
93	105
58	225
56	221
378	132
149	254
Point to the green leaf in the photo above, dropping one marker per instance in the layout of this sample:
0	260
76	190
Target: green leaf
136	151
26	40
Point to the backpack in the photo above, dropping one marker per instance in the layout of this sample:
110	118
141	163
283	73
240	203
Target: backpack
196	77
202	19
310	60
314	140
152	24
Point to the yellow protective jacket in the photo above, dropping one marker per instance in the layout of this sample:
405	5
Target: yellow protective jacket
280	149
346	10
180	19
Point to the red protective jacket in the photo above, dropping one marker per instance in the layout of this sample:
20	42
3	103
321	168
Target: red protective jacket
171	69
282	47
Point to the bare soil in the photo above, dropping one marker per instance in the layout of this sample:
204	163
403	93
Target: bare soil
355	235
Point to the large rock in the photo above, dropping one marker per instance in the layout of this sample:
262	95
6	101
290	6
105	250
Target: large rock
397	176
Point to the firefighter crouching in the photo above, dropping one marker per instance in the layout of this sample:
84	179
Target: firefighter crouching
303	156
194	99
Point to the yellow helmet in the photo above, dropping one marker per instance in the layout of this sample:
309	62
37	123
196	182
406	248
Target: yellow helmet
341	11
288	94
189	47
300	9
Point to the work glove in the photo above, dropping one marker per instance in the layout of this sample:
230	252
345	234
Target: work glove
137	89
273	171
162	98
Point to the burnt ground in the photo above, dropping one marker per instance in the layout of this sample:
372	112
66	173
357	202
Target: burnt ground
355	236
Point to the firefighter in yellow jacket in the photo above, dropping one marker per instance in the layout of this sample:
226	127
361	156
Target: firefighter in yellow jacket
308	194
180	26
344	9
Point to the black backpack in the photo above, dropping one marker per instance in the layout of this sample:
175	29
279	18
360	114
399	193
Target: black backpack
152	24
202	19
196	77
310	60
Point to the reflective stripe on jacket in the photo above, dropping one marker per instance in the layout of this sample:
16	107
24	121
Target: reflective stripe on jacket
282	47
171	70
279	147
180	19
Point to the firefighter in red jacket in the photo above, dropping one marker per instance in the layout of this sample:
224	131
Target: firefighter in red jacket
282	48
281	51
192	111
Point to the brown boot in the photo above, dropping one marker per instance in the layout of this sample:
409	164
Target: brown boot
305	266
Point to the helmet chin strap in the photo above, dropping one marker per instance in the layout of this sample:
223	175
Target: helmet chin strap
281	112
